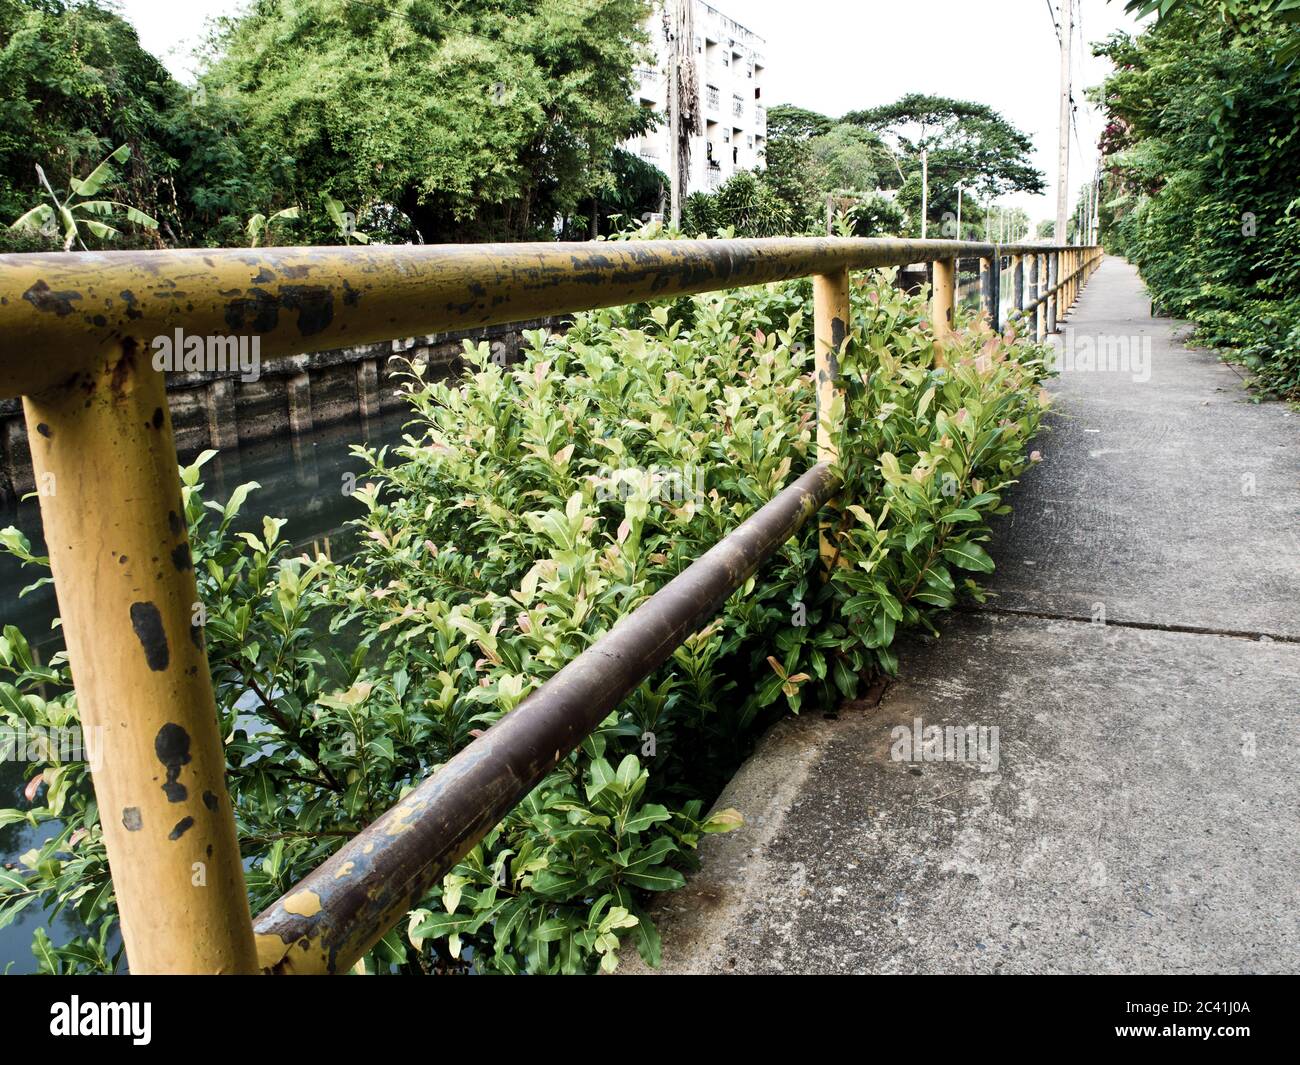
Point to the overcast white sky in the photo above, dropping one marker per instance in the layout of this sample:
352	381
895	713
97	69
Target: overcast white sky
840	55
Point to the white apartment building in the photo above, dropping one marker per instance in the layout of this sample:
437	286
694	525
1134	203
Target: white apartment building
730	65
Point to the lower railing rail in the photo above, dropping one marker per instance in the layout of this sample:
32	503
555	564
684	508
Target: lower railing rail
330	919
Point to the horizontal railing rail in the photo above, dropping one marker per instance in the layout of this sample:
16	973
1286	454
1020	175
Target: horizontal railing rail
66	312
78	336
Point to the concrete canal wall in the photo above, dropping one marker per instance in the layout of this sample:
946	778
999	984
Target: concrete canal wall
289	398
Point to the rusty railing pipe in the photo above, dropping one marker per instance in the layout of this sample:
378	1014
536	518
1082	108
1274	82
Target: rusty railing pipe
330	919
67	314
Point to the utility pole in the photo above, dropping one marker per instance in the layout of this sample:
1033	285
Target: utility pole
683	96
1085	235
674	126
1063	144
1096	207
925	189
959	197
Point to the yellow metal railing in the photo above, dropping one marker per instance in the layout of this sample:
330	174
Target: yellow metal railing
78	331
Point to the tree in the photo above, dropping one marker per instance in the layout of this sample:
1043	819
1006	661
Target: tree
791	171
875	215
81	208
684	82
811	156
259	225
74	85
1202	172
1006	224
796	123
745	204
1238	16
490	119
637	188
851	158
966	142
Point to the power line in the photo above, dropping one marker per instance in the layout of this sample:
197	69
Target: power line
1083	52
1051	13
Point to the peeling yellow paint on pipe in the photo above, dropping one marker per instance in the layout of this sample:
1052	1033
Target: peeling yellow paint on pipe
61	314
105	467
943	298
831	324
304	904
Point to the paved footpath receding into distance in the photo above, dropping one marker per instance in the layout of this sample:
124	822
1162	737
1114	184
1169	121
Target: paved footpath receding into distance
1143	813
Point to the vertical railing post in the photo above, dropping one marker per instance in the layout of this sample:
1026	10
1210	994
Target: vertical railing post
943	297
104	457
990	288
831	318
1040	313
1053	298
1018	282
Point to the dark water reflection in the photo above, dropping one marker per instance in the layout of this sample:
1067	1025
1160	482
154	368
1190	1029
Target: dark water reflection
301	480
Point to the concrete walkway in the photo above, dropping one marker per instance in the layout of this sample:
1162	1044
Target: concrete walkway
1144	813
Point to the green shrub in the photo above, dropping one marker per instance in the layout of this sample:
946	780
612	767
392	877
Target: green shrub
1203	177
528	509
745	206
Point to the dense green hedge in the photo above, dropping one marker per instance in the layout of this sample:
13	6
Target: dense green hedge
1203	189
529	508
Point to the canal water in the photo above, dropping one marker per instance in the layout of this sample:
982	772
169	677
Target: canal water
302	480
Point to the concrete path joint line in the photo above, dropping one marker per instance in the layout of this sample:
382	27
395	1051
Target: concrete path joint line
1120	623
